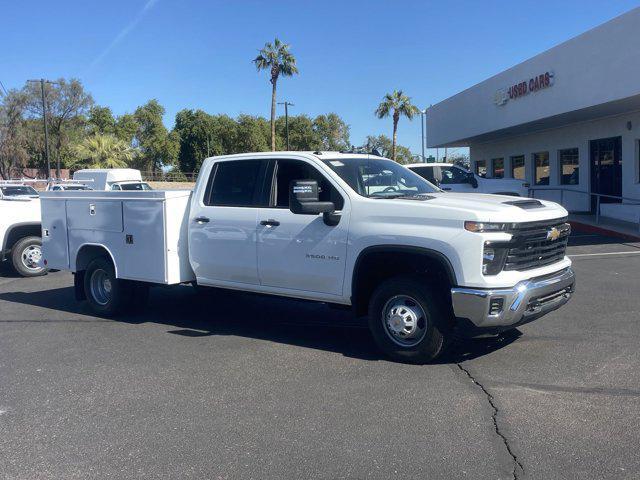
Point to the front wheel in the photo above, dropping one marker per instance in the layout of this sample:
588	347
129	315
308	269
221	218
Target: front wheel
26	255
408	321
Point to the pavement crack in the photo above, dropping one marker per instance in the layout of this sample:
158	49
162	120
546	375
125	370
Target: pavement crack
518	468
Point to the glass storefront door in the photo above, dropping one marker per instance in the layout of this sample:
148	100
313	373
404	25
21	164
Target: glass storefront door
606	169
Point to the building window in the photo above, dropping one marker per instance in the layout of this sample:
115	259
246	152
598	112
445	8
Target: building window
497	168
517	167
481	168
569	166
541	164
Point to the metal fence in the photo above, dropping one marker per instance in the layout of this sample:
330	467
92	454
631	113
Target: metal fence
169	176
598	196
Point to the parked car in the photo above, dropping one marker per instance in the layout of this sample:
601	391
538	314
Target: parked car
111	179
351	230
451	177
20	241
67	187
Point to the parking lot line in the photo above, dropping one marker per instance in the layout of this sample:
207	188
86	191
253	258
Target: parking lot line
631	252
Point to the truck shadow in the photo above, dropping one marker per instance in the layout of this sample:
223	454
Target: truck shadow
6	271
228	313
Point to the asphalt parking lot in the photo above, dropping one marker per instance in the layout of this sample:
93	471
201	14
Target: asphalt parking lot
237	386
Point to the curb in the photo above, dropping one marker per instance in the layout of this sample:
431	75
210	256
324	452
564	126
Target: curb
588	228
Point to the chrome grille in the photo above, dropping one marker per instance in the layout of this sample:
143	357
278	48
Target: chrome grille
532	248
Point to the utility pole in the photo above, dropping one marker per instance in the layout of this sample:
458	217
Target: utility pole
423	114
42	81
286	119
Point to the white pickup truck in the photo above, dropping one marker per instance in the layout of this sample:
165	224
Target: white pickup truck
20	228
353	230
450	177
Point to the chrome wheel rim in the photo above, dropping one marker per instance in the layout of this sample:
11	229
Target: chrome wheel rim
404	320
100	287
31	257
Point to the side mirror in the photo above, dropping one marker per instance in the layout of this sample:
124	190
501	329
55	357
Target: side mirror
303	198
473	180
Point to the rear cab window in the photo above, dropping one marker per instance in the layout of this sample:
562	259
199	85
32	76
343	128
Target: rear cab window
235	183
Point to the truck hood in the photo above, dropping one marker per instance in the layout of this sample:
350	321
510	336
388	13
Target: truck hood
493	208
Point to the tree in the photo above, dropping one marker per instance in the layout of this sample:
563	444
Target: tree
126	127
103	151
396	104
331	132
67	104
101	120
13	151
276	58
252	134
157	146
301	134
384	145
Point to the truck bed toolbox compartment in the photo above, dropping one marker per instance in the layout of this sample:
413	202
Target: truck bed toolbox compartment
144	233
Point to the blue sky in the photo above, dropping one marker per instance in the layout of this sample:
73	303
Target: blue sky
197	54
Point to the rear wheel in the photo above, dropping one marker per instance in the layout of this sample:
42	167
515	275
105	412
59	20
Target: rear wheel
408	321
26	255
106	294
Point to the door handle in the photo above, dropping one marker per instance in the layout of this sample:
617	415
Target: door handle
446	188
270	223
201	220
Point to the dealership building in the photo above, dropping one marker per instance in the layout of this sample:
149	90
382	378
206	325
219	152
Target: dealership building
566	121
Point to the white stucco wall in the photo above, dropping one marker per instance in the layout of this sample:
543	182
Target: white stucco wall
571	136
596	68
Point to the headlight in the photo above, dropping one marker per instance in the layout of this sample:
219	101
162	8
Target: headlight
493	257
486	227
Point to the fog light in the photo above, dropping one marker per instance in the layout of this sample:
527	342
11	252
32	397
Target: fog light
489	255
495	307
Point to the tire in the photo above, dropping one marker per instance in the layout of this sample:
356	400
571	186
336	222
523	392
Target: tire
25	255
107	296
408	320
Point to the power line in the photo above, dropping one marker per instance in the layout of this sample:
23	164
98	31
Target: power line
4	89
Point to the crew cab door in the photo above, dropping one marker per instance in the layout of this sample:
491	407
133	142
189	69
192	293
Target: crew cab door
223	219
301	252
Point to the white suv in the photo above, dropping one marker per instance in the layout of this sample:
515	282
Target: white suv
450	177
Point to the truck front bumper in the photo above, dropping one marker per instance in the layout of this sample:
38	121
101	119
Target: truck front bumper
505	308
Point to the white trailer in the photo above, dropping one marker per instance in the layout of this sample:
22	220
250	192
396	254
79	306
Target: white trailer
111	179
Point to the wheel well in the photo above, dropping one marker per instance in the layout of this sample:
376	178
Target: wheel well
376	265
21	231
88	253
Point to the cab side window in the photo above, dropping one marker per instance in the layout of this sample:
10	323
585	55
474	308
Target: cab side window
452	175
288	170
428	173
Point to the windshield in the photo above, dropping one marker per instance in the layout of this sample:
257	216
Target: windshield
135	186
380	178
13	190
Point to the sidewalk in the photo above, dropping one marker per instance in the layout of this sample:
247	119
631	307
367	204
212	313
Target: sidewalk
607	226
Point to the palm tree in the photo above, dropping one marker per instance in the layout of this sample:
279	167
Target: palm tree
103	151
276	58
398	103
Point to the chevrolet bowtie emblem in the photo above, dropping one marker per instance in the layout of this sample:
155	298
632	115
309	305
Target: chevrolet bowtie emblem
553	234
